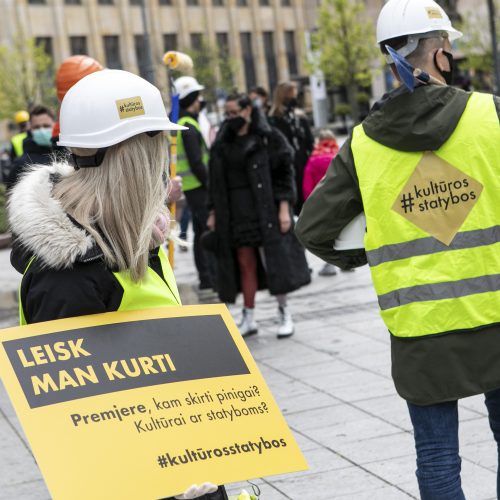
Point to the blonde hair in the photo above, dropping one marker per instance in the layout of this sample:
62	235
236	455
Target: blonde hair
326	133
281	93
119	201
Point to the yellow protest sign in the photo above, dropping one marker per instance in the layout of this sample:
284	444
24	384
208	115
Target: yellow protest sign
140	405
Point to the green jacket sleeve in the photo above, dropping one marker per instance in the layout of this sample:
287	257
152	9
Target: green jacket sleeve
335	201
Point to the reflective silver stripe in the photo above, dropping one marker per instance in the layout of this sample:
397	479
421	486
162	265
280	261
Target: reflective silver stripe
426	246
184	174
440	291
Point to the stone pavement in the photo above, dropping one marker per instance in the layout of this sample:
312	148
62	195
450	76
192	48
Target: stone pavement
332	381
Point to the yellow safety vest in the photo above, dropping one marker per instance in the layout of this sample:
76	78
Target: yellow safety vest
149	293
17	143
424	286
189	180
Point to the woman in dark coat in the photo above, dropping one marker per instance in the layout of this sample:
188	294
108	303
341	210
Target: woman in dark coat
251	194
292	122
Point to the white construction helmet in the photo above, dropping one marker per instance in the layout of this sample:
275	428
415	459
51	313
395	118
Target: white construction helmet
107	107
416	19
186	85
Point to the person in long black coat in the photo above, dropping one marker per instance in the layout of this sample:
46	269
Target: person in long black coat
251	195
292	122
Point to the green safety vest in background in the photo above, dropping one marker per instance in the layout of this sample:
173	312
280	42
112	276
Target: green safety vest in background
189	180
424	286
149	293
17	143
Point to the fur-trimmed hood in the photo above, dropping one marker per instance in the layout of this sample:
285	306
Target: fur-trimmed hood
39	224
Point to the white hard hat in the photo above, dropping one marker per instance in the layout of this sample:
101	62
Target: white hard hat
186	85
352	237
108	107
413	17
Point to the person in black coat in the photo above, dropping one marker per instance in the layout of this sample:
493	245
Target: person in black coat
292	122
38	145
251	194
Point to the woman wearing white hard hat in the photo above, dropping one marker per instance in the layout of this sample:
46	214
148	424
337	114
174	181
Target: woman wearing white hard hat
88	232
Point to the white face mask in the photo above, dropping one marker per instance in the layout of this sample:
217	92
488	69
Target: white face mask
42	136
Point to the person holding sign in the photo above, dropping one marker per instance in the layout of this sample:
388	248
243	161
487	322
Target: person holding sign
88	231
424	168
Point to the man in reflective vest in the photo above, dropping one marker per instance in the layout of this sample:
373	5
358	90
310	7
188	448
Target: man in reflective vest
22	121
424	167
192	167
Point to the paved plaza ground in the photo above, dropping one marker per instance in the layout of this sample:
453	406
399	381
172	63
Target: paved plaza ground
331	380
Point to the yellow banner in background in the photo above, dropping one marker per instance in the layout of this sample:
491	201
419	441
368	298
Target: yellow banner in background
140	405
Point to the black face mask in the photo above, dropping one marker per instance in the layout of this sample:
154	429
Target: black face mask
203	104
447	75
235	124
291	103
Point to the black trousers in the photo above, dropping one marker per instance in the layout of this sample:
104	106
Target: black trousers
204	261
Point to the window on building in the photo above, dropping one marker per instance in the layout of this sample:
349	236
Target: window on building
248	59
46	43
196	41
291	55
242	3
222	40
135	2
105	2
225	63
192	3
272	70
286	3
264	3
37	2
73	2
112	51
169	42
165	2
140	54
78	45
218	3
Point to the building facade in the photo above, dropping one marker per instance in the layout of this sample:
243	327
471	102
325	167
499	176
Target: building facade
264	37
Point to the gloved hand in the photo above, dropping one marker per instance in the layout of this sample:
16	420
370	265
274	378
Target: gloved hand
195	491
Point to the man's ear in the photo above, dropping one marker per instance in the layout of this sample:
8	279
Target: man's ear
441	60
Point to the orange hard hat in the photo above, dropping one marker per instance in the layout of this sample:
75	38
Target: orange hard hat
72	70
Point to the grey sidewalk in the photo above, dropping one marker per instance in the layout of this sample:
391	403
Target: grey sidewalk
332	382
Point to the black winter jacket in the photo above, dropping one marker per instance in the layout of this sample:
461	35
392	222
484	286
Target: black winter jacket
33	155
295	127
269	165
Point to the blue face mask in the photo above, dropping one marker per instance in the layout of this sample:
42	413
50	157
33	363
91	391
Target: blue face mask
42	136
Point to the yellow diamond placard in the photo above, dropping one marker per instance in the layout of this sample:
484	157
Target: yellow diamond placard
438	197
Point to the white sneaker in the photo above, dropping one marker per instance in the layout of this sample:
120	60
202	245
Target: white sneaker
286	328
247	326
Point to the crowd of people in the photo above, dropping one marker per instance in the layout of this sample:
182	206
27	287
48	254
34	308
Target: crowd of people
241	185
89	226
